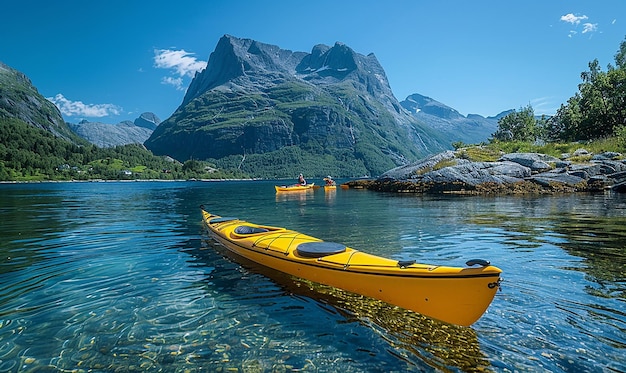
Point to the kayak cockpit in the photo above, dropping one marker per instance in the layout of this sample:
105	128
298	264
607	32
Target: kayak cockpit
246	229
249	230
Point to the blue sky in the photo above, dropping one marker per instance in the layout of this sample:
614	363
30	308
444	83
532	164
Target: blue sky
110	61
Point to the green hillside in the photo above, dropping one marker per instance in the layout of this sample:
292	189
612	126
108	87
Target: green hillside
28	153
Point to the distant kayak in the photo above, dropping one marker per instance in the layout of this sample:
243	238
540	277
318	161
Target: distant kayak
456	295
330	187
294	187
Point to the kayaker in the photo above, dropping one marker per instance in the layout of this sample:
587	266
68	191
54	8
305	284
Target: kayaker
329	181
301	180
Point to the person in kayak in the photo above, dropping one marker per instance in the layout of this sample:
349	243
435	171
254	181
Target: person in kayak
301	180
329	181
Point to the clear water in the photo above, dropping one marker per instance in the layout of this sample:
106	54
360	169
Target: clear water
118	277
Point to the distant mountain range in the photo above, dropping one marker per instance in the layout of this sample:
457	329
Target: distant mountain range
269	111
107	135
470	130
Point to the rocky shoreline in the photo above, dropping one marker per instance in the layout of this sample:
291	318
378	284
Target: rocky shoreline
514	173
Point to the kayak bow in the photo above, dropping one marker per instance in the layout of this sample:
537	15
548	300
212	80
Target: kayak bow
456	295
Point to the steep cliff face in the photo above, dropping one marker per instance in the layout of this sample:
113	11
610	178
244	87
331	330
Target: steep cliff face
255	98
19	99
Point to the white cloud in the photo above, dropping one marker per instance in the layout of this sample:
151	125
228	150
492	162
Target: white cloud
176	82
180	61
80	109
589	27
574	20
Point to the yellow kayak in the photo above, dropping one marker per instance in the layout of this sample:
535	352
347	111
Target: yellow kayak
330	187
456	295
294	188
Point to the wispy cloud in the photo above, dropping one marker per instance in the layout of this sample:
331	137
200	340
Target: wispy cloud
180	62
544	105
176	82
80	109
590	27
574	20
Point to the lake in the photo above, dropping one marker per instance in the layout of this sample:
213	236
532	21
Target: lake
121	276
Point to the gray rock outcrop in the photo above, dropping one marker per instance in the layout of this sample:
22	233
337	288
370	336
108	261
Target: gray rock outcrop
450	171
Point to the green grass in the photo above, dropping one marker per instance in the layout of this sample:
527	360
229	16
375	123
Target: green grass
491	152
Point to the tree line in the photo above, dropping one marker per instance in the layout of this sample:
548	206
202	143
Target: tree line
28	153
596	111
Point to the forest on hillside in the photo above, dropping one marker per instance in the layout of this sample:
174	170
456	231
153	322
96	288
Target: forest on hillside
28	153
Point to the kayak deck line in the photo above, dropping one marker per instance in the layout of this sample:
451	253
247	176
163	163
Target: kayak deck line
456	295
340	266
268	247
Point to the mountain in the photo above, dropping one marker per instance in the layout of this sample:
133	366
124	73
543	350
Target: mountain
271	112
470	130
108	135
147	120
37	145
20	100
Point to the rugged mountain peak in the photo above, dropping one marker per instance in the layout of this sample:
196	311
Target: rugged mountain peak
259	102
416	103
147	120
339	63
323	60
248	65
240	64
19	99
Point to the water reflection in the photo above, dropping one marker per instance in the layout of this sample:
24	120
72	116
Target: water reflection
411	337
329	196
301	196
558	242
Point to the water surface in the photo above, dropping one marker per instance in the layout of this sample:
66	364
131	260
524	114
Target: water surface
121	276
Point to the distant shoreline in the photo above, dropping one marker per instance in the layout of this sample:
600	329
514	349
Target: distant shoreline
120	181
